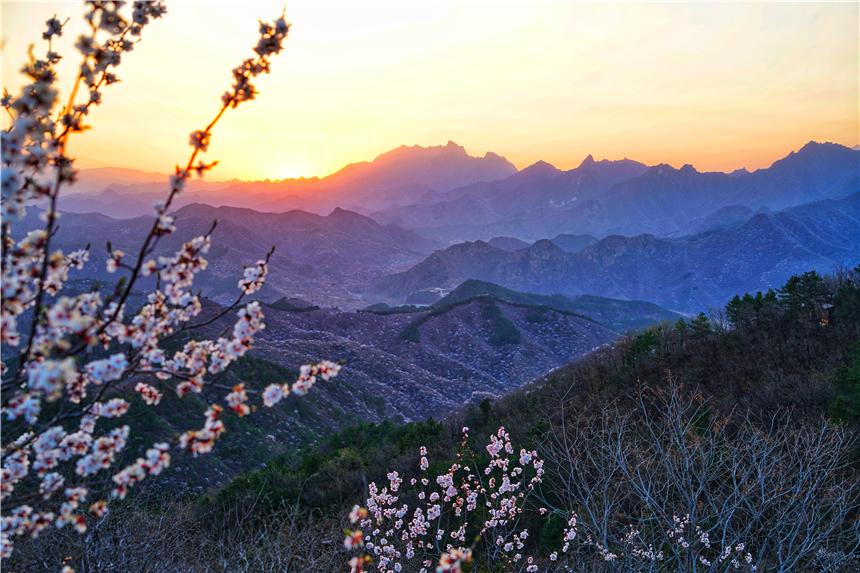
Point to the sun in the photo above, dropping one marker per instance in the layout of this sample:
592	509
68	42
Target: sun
291	171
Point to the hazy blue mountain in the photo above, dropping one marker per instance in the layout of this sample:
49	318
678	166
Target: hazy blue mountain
508	243
573	243
515	205
723	217
816	171
324	259
626	198
687	274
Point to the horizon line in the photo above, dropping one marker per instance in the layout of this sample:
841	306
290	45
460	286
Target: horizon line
855	147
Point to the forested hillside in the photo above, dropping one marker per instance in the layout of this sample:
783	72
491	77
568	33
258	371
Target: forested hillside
768	366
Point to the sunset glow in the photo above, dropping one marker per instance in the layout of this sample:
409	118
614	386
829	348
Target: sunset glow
722	86
254	253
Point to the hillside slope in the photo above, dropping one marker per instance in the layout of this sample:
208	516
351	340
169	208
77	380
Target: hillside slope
619	315
396	366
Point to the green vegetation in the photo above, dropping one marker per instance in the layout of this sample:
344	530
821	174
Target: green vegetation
502	330
259	372
411	333
538	314
619	315
382	308
846	404
292	305
330	474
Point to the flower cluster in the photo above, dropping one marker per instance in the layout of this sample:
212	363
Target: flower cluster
254	277
639	554
438	523
157	459
693	538
202	441
271	41
452	510
308	375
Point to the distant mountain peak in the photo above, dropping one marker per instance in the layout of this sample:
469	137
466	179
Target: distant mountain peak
662	169
508	243
341	214
824	146
812	144
544	247
688	168
540	167
589	160
814	152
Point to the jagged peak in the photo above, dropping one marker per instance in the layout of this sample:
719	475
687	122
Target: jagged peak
662	168
589	160
812	144
813	149
341	213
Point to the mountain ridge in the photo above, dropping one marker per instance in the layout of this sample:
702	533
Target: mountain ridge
401	174
687	273
660	199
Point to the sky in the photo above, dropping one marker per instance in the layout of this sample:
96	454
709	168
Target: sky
720	86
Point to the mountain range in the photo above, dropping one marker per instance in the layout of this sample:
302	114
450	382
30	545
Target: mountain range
401	176
445	194
689	274
321	258
509	273
425	219
626	197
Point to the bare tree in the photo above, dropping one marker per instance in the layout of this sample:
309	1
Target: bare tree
670	486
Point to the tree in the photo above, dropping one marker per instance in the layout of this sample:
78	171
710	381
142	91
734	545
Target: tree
70	351
671	487
846	405
700	327
804	296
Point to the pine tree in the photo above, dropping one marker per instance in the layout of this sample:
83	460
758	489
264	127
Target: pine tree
701	326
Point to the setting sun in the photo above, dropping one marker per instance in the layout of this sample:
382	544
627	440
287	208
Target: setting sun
528	80
291	171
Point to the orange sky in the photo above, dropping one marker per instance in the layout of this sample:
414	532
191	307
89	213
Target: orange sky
720	86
